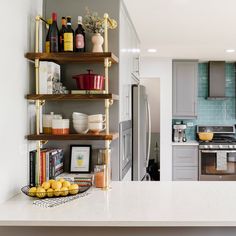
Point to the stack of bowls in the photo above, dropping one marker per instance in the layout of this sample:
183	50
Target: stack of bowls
96	123
80	122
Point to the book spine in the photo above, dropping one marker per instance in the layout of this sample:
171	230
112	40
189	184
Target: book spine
53	166
53	163
47	166
32	169
44	166
36	169
41	168
50	165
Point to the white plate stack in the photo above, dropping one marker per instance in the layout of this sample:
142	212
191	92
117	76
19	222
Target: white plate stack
80	122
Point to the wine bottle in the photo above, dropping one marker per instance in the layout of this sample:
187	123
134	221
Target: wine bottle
47	43
54	34
69	36
80	36
62	31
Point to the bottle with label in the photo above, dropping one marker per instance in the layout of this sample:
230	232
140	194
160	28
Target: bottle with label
62	31
54	34
69	37
47	43
80	36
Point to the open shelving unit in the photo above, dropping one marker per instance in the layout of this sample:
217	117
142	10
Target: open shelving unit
88	136
107	59
69	97
64	57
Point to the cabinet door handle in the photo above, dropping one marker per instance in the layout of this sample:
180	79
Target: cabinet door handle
127	106
195	113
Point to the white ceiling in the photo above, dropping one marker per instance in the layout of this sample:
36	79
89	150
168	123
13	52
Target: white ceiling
201	29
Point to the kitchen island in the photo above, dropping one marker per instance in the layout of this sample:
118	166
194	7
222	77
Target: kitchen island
130	208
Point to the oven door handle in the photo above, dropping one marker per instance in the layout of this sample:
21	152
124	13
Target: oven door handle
210	151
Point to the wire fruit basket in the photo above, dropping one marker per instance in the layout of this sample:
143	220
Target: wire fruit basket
41	193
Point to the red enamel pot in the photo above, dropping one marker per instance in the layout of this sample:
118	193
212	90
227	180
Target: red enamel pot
89	81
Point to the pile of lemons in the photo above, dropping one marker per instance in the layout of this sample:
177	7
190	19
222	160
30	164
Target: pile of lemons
54	188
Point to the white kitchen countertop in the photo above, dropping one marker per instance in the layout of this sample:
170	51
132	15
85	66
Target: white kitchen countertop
190	143
133	204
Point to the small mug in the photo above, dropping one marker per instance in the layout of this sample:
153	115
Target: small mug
96	127
96	118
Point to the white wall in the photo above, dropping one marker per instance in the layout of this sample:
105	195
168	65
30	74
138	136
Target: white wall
152	67
153	91
16	39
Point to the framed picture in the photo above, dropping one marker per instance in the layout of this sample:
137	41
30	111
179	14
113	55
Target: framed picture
80	158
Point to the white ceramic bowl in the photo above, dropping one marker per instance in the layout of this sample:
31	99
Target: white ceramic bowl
81	129
80	122
81	119
77	115
80	125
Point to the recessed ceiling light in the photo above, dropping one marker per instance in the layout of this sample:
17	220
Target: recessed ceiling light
230	50
134	50
152	50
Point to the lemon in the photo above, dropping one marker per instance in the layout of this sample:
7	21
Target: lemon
61	180
56	185
73	189
51	181
40	192
46	185
32	191
50	192
66	184
64	191
57	192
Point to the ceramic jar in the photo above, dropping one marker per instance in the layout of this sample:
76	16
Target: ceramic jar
97	41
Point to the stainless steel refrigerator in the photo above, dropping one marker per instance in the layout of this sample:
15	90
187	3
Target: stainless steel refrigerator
141	133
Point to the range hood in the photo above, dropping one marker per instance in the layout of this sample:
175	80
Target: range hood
216	80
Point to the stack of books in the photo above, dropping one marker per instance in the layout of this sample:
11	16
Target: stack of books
49	165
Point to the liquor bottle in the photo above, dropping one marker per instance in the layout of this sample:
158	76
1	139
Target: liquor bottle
80	36
54	34
69	36
47	43
62	31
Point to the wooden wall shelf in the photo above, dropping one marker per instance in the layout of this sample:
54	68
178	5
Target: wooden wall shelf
73	57
89	136
57	97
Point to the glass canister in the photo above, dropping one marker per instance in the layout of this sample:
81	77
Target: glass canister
100	176
104	157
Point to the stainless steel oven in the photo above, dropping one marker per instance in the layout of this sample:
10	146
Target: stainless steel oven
217	158
211	169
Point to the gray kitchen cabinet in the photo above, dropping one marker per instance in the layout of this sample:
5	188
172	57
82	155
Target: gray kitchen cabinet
185	174
128	62
185	163
185	83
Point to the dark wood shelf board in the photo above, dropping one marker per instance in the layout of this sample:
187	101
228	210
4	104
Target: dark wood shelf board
58	97
73	57
89	136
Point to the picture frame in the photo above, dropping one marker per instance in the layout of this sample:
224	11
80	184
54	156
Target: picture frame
80	158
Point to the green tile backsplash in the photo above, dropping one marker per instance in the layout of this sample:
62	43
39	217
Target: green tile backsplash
214	112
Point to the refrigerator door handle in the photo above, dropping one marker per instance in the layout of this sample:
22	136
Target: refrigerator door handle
149	133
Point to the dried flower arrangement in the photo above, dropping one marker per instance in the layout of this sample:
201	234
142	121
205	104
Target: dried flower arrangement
95	24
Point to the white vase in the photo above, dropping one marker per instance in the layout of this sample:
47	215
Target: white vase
97	41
